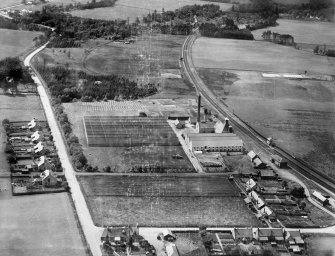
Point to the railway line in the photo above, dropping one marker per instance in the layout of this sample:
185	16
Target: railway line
242	127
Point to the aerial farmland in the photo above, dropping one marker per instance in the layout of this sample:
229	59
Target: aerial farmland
289	110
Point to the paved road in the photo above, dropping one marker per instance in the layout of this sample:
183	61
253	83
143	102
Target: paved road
92	233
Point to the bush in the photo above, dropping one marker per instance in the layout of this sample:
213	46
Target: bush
298	192
5	122
9	149
67	129
12	159
72	139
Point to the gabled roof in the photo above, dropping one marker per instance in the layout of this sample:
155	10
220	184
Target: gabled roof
266	210
319	196
41	161
252	155
167	232
250	184
46	174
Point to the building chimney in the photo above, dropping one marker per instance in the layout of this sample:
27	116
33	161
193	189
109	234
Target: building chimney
230	129
199	105
205	116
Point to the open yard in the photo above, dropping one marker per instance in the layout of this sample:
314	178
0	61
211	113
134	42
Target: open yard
298	114
39	225
308	32
321	245
131	9
165	201
15	42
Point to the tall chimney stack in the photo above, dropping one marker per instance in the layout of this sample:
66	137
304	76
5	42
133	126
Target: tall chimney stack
199	105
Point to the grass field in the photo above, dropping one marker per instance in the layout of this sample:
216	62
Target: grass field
150	57
14	42
320	244
131	9
39	225
256	56
298	114
309	32
154	201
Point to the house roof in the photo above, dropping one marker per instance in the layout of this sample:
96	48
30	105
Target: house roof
250	184
41	161
46	174
252	155
257	161
167	232
266	210
266	232
319	196
243	233
277	158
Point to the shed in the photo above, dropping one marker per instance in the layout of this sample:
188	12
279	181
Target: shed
279	161
258	163
320	197
268	175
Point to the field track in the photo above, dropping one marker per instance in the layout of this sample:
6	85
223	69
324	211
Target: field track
242	127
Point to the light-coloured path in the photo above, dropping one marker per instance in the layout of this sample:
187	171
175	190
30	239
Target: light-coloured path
92	233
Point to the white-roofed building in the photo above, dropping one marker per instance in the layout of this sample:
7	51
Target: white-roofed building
38	148
35	137
215	142
43	164
252	155
320	198
250	185
256	199
32	124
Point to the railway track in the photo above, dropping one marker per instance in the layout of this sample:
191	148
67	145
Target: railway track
242	127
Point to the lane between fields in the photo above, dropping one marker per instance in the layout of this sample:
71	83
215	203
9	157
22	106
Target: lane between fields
91	232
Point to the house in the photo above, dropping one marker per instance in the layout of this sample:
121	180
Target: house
257	199
250	185
32	124
321	198
171	250
277	160
48	179
216	142
252	155
273	235
168	236
35	137
293	237
268	175
244	234
258	164
268	213
43	164
38	148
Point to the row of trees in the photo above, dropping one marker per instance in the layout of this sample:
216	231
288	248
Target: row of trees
211	30
62	83
89	5
278	38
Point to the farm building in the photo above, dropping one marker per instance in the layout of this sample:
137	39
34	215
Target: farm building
243	234
215	142
250	185
268	175
320	198
171	250
277	160
48	179
43	164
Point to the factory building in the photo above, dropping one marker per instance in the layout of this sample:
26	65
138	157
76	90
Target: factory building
214	142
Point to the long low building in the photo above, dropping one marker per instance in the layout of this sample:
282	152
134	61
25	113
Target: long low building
215	142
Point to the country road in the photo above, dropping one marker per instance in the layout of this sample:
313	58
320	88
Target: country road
91	232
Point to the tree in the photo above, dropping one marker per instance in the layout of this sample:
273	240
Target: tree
316	49
298	192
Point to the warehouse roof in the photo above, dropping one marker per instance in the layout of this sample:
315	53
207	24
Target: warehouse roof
319	196
218	143
195	135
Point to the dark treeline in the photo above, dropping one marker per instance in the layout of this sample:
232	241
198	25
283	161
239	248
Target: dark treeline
266	8
13	72
210	30
90	5
69	85
183	20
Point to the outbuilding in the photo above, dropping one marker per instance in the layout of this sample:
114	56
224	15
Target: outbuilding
279	161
